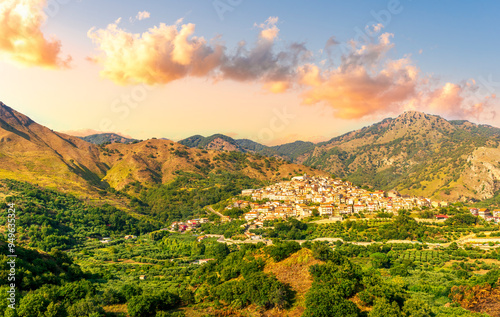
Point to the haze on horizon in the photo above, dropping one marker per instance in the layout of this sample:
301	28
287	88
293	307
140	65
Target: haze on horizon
273	73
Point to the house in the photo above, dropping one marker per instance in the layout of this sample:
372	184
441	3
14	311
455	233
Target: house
176	225
193	223
251	215
359	208
203	220
247	192
345	209
105	240
392	194
372	207
130	237
142	277
252	236
306	212
200	238
318	199
203	261
441	217
300	178
336	218
484	213
325	210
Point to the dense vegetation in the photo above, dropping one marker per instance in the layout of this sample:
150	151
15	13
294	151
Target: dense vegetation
400	227
48	219
161	273
189	193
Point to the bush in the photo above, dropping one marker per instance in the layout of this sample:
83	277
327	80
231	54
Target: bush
281	251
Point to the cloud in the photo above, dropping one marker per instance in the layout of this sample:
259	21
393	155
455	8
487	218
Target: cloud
368	82
166	53
143	15
365	80
362	85
456	101
21	38
374	29
158	56
262	62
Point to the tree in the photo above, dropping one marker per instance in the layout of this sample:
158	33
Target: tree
32	305
218	250
325	302
85	308
384	308
130	290
55	310
321	251
143	305
281	251
380	260
416	308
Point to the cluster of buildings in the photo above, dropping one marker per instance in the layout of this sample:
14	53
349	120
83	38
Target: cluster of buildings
303	196
486	214
182	226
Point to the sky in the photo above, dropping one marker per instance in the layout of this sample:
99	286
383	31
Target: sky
273	72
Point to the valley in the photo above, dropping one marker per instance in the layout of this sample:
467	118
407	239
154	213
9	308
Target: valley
212	228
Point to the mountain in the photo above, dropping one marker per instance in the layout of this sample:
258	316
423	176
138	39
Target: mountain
294	150
215	142
289	151
159	161
416	153
101	138
31	152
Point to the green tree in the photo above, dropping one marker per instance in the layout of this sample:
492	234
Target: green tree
416	308
130	290
384	308
326	302
142	306
86	307
33	305
380	260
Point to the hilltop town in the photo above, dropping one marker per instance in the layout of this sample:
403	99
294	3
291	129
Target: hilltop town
305	196
325	197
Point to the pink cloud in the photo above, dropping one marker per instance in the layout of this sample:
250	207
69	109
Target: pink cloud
21	38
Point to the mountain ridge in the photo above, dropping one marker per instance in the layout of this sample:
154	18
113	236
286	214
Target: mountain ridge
415	152
34	153
100	138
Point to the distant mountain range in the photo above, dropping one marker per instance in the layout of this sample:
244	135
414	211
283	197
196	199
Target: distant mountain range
31	152
289	151
415	153
102	138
